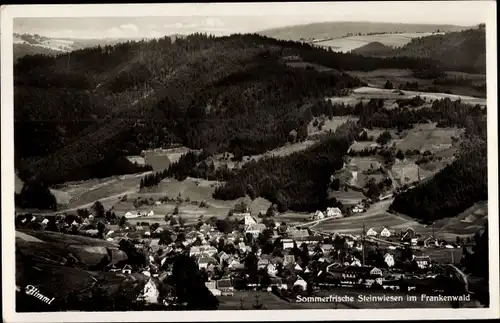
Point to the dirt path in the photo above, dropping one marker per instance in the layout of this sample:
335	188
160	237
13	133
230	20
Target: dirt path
103	199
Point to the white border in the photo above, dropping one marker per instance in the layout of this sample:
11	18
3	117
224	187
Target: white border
487	8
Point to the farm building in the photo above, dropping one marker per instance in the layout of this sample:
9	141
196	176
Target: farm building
431	242
301	283
423	262
371	232
333	212
318	215
385	233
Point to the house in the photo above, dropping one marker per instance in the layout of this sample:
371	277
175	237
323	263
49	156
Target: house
45	221
158	203
204	262
243	247
431	242
333	212
297	267
247	217
389	260
371	232
355	262
127	269
150	293
301	283
288	259
272	270
211	287
309	240
131	214
223	256
255	229
358	209
287	243
233	263
150	213
385	233
225	285
262	263
423	262
91	217
318	215
408	234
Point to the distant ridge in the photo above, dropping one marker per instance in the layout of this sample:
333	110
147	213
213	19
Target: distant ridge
322	30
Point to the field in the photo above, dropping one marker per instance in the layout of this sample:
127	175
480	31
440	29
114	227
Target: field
107	190
348	198
379	77
375	217
329	125
346	44
196	190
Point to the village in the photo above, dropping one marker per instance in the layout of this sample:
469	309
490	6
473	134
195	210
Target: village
244	252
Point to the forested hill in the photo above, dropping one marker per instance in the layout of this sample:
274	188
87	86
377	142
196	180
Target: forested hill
77	113
459	51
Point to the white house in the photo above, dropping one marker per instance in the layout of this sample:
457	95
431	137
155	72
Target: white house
158	203
358	209
287	243
389	260
45	221
371	232
297	267
151	213
318	215
355	262
131	214
255	229
301	283
91	217
333	212
422	262
127	269
385	233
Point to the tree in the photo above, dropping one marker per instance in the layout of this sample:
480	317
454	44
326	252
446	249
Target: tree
388	85
400	155
384	138
190	286
165	238
123	221
176	210
182	221
100	229
272	210
154	226
36	195
98	209
224	225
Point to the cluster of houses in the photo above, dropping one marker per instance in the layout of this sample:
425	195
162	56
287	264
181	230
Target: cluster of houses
222	256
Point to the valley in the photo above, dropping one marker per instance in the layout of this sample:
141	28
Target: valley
170	167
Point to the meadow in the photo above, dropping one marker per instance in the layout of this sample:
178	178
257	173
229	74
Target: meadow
346	44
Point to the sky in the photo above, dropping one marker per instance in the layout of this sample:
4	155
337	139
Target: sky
222	19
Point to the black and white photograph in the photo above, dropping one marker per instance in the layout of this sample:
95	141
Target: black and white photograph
249	161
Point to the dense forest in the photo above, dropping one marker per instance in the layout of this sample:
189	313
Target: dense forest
277	178
108	101
457	51
458	186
